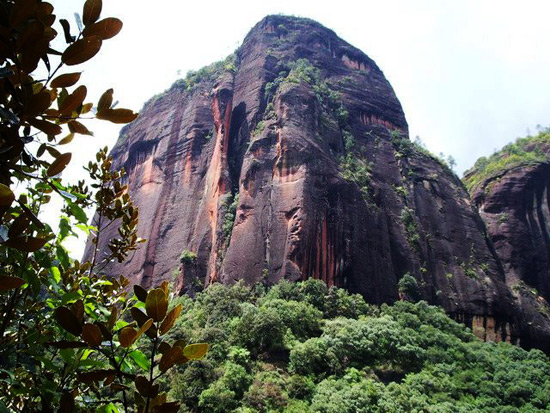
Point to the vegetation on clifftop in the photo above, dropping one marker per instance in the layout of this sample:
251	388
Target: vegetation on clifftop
524	151
304	347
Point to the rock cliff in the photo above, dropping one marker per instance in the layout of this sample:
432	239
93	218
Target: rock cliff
510	190
291	159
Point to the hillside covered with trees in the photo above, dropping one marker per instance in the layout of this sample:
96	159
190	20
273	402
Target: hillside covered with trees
301	347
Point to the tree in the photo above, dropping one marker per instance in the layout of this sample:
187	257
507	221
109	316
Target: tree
69	334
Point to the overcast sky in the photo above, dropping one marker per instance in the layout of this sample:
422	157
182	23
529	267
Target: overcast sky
472	75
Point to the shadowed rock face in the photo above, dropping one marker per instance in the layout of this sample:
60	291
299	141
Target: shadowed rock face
293	161
514	203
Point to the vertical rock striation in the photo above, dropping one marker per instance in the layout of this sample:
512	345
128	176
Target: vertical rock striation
290	160
511	192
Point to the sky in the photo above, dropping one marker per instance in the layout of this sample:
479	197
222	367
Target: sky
471	75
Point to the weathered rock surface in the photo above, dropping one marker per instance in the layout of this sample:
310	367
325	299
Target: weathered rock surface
513	200
293	161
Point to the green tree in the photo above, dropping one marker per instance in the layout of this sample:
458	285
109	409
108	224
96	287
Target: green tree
69	334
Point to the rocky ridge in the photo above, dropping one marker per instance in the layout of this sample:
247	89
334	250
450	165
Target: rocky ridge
291	159
510	191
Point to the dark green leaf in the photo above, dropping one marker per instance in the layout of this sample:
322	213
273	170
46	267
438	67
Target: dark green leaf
78	213
141	293
9	283
68	320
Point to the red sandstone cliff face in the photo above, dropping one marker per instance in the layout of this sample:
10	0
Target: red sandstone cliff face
308	137
514	203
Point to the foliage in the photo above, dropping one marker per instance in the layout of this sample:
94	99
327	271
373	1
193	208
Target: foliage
193	78
357	170
411	228
409	288
66	335
208	73
524	151
230	215
304	347
188	257
302	70
35	110
70	337
404	148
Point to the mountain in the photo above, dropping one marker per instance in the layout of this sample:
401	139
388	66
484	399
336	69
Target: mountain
510	189
291	160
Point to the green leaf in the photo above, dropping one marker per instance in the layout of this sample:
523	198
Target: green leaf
58	184
67	355
109	408
34	282
79	213
195	351
56	274
71	297
140	359
63	256
64	228
84	228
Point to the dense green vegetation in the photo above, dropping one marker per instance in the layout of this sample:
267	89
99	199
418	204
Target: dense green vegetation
301	347
524	151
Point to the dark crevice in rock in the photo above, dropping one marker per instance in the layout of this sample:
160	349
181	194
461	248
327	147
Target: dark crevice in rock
238	140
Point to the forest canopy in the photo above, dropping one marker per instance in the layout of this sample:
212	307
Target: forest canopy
304	347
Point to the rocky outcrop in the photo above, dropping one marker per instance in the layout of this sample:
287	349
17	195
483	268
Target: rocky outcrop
511	192
291	160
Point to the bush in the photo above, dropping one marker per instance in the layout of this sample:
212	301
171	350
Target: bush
188	257
409	288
